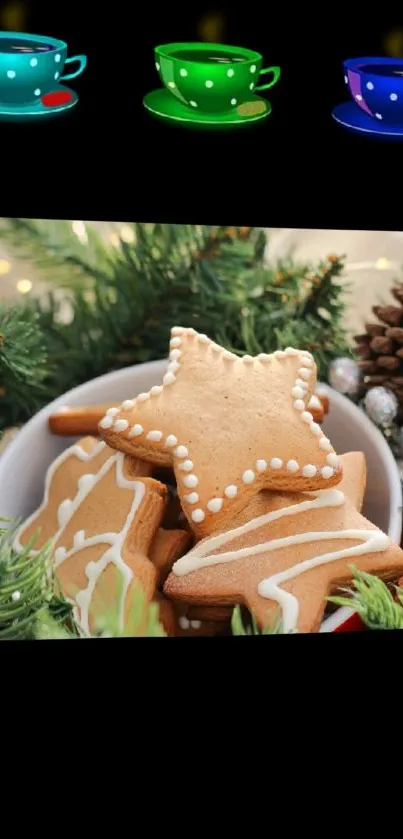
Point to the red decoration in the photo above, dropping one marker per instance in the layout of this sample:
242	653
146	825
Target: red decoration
352	624
59	97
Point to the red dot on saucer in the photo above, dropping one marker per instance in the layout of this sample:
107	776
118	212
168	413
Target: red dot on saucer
59	97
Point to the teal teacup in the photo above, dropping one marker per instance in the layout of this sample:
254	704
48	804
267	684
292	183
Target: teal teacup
31	66
211	77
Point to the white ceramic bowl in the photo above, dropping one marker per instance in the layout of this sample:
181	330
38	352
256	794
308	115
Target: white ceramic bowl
26	459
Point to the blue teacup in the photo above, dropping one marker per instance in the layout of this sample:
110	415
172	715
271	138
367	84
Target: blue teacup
376	85
31	66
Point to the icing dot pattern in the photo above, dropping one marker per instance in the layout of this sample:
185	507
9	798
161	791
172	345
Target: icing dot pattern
180	452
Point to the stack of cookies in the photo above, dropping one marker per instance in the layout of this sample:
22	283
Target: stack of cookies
217	487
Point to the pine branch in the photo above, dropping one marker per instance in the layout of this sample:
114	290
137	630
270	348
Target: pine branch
119	306
54	248
30	596
23	364
373	601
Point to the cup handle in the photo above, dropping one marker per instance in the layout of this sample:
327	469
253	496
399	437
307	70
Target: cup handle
276	75
82	59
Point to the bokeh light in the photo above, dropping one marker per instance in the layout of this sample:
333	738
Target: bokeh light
14	16
24	286
80	230
5	267
393	43
211	27
382	264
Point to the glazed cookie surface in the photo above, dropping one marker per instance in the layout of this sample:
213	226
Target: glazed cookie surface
288	551
229	426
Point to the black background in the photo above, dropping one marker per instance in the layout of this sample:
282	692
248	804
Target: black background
109	159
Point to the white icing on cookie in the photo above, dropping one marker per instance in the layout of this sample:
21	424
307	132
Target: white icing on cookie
84	486
201	556
155	436
115	542
186	466
248	477
121	425
67	509
181	451
184	622
106	422
314	402
192	498
309	470
214	505
136	431
169	378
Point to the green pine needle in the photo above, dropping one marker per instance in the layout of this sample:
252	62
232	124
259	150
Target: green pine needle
373	601
30	595
274	627
109	307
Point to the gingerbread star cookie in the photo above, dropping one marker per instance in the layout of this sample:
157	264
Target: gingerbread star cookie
229	426
106	534
289	551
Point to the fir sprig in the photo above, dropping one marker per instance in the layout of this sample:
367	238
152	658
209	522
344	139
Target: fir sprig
30	596
24	365
373	601
109	307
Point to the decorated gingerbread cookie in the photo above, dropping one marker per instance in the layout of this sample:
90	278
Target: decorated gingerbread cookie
68	478
107	535
229	426
289	551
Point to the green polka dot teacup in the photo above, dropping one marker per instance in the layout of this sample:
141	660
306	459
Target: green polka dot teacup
211	77
31	66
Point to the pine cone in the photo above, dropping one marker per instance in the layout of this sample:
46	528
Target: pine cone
380	349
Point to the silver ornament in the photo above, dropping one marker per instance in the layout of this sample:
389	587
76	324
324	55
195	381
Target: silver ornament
381	405
344	376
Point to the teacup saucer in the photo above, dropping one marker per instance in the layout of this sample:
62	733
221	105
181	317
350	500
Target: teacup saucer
351	116
163	105
61	99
